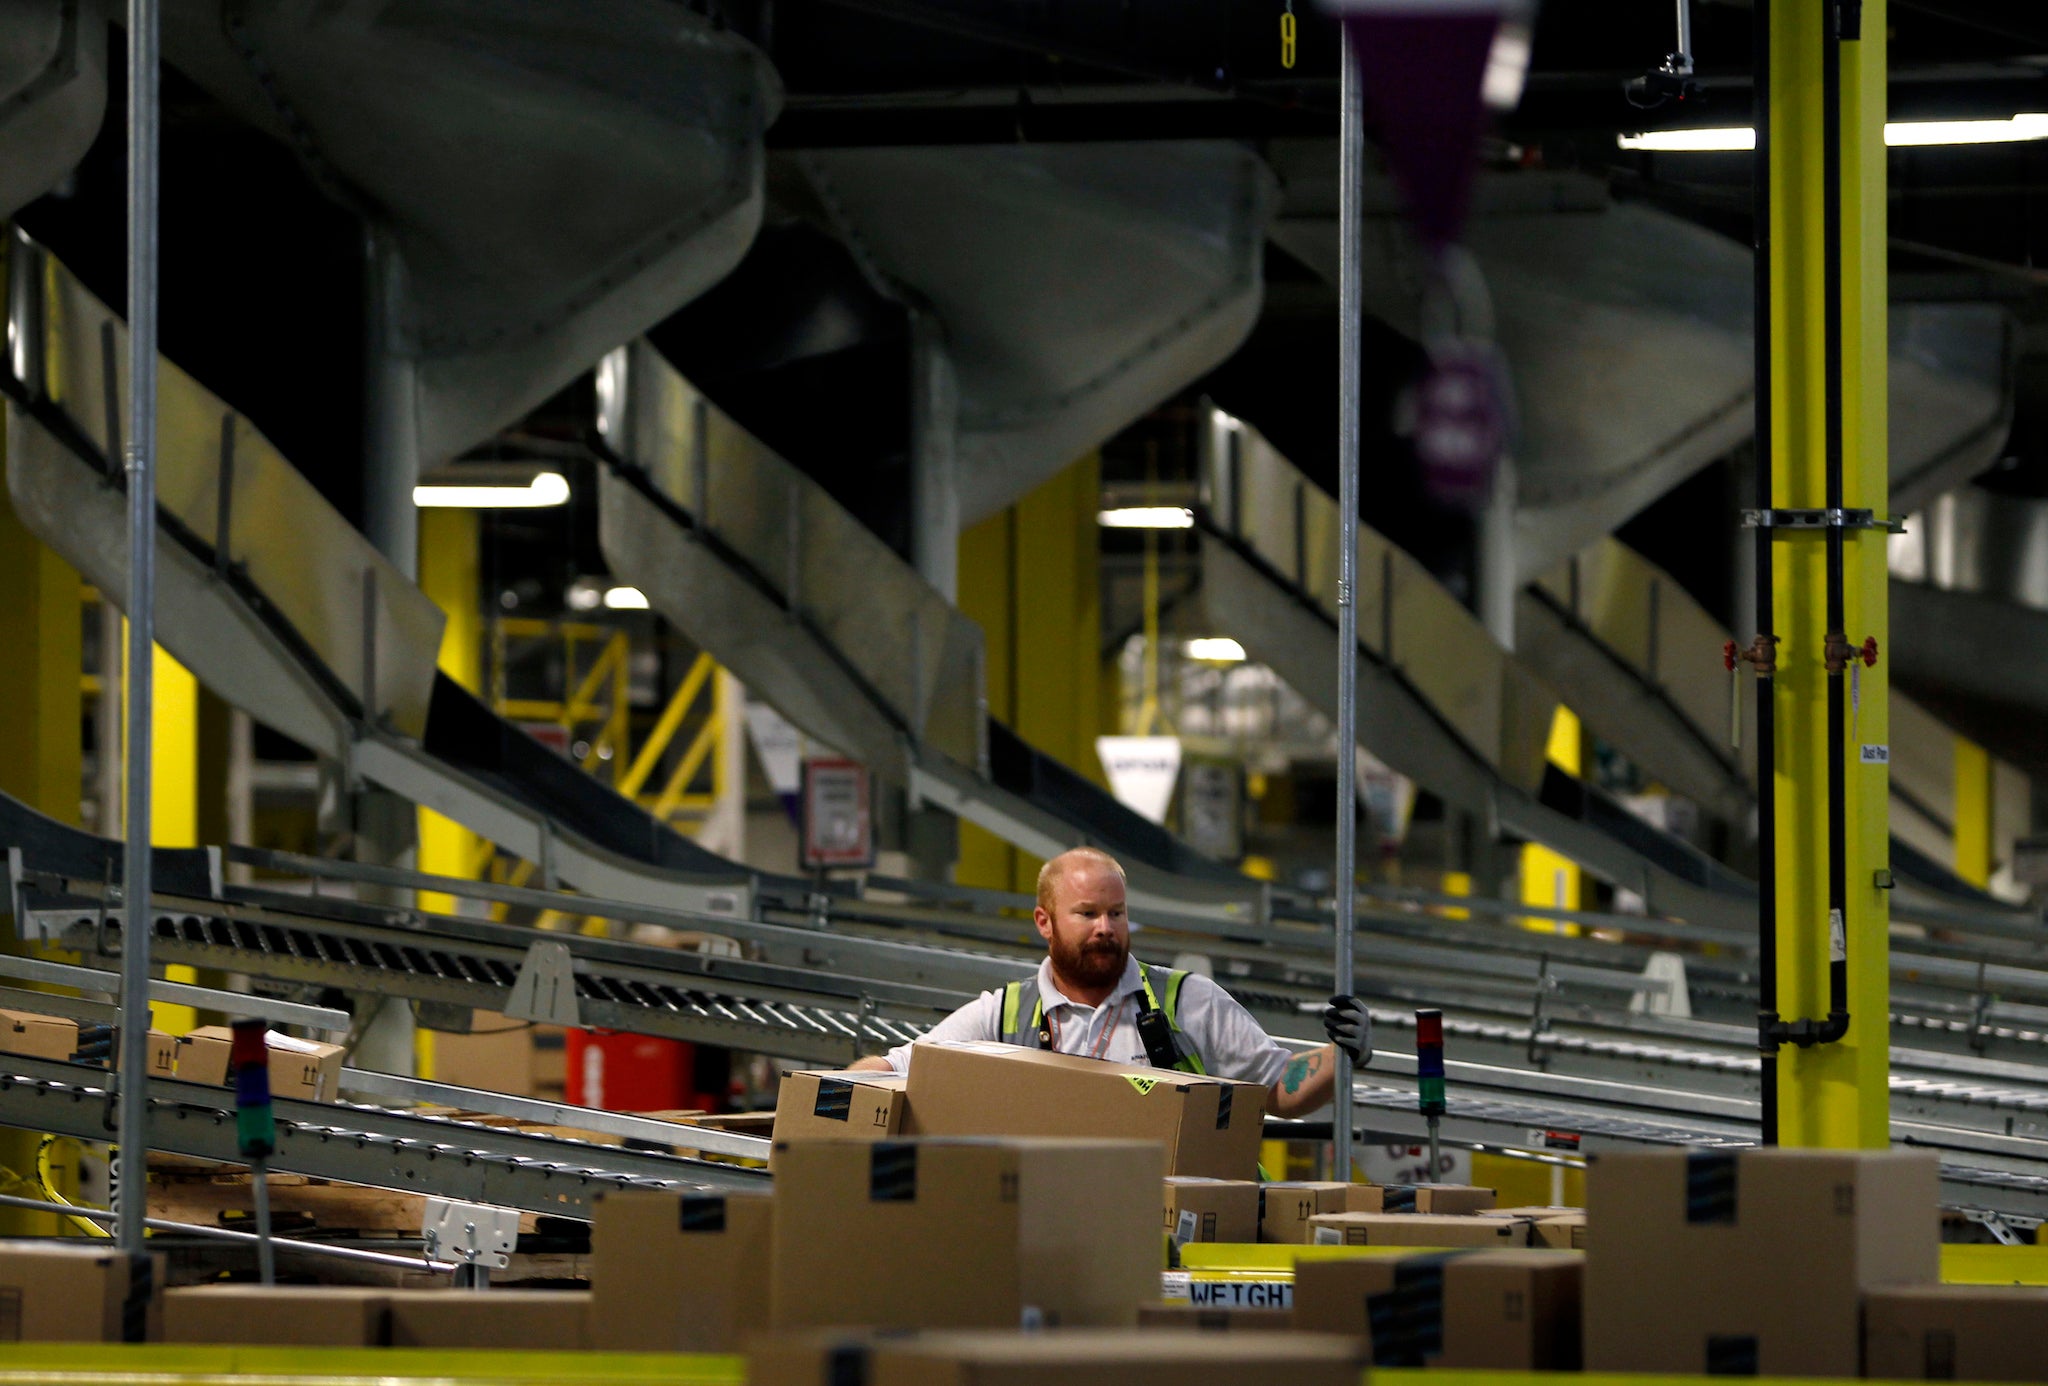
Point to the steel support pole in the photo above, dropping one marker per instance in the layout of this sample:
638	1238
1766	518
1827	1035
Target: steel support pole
1828	348
132	1121
1351	165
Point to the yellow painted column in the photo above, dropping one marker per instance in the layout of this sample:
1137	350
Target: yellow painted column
451	572
1829	1095
1550	878
41	749
1031	577
173	788
1975	816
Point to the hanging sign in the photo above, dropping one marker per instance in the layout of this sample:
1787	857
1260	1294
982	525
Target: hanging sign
1142	771
838	828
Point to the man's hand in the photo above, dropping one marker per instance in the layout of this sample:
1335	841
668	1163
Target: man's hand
1349	1026
873	1063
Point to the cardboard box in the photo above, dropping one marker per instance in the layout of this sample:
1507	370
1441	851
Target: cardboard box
1445	1199
845	1106
948	1232
1211	1210
496	1055
678	1271
1418	1229
1490	1310
305	1069
278	1315
1751	1262
1556	1227
537	1320
66	1291
1289	1206
760	1124
1209	1126
1213	1319
38	1036
1956	1333
1072	1357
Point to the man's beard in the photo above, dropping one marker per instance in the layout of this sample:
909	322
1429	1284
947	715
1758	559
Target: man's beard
1091	962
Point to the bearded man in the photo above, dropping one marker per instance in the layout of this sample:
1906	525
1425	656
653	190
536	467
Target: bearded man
1091	997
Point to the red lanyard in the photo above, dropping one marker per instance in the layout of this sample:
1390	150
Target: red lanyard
1101	1041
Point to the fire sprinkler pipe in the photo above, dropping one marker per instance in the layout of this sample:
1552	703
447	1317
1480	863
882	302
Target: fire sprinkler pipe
1836	19
132	1112
1351	264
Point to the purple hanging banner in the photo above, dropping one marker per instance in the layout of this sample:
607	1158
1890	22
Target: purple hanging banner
1422	70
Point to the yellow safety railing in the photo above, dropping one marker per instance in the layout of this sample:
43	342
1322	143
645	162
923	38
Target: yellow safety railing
596	663
597	660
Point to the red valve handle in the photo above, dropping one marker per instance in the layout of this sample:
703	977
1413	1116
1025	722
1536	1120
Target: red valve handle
1870	651
1728	656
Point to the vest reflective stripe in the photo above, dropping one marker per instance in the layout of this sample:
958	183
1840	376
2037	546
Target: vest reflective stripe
1156	982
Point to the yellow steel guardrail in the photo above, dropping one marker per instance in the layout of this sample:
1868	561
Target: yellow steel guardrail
89	1364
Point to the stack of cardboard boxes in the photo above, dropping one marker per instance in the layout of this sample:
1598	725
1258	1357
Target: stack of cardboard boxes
299	1068
999	1189
1752	1261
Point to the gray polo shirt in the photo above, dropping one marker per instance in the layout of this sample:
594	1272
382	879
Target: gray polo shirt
1230	1042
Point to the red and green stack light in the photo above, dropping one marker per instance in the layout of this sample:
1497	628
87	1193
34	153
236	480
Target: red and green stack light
249	1060
1429	1061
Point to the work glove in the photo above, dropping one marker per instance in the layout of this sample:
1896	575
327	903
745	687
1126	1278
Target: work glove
1349	1026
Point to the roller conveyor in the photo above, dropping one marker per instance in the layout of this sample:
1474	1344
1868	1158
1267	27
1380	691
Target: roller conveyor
359	1144
814	994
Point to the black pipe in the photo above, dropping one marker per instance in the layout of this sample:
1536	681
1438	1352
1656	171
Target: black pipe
1837	649
1766	685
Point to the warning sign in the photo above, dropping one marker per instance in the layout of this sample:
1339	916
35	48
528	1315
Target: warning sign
838	827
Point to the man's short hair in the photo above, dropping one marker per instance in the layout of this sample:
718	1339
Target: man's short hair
1056	867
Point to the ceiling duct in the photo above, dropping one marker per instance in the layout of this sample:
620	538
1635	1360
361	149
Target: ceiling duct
1076	286
555	175
53	93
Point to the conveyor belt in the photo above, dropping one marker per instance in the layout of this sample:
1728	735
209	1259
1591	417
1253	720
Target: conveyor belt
2016	1189
819	995
359	1144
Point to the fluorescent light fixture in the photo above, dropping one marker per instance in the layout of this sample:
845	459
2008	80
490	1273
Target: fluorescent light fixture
1898	134
2025	126
1146	517
1690	141
1507	67
544	489
625	599
1217	649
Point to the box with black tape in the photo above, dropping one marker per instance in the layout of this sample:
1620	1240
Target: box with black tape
1209	1126
821	1105
956	1232
1555	1226
677	1271
1483	1310
1072	1357
55	1290
1956	1333
1751	1262
1287	1207
1418	1229
1448	1200
306	1069
1211	1210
